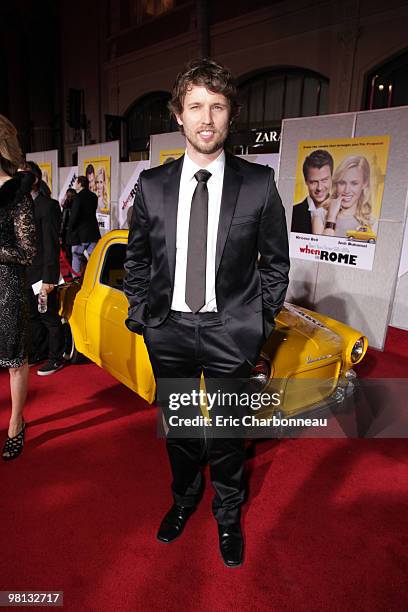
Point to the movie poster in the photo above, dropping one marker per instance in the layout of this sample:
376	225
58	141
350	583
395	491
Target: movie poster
98	172
337	201
165	157
46	169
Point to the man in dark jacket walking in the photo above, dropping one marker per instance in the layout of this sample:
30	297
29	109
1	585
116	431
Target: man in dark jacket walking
47	330
83	225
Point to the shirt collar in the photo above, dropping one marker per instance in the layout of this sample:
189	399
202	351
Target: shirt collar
311	204
216	167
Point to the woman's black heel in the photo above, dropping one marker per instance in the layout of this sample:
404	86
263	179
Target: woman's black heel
13	447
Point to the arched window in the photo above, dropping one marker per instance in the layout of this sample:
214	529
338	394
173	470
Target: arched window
269	96
148	115
387	84
273	95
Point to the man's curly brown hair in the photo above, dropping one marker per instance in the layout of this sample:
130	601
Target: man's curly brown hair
207	73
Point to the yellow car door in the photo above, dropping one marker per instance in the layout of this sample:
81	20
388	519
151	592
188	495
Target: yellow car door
113	346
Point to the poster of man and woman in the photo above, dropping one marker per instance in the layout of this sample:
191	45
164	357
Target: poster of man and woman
337	201
98	172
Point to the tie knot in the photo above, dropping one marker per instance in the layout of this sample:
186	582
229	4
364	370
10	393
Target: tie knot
202	176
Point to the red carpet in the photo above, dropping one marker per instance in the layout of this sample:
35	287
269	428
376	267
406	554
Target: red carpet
325	525
392	363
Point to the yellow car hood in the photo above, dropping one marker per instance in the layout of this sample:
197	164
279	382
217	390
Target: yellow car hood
301	342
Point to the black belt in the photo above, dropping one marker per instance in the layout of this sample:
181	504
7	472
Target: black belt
193	316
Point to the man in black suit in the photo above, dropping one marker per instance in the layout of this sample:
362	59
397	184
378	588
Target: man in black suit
317	172
83	225
47	330
196	290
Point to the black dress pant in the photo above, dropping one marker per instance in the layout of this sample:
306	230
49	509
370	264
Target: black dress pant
183	347
47	333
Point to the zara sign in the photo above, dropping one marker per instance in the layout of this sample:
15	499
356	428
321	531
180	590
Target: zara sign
264	136
256	140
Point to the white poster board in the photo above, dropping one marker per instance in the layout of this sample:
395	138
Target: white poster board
361	298
70	177
166	147
128	193
265	159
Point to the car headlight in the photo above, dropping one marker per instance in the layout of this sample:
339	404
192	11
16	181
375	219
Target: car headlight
261	372
357	351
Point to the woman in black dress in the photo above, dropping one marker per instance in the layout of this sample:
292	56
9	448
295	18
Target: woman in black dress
17	248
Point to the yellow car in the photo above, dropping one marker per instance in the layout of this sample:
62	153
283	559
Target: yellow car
364	233
309	356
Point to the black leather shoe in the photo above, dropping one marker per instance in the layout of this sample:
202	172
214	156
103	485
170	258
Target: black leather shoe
231	544
173	523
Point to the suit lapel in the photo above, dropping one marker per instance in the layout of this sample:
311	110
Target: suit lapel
171	187
230	191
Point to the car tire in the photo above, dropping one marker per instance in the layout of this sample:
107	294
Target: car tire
71	353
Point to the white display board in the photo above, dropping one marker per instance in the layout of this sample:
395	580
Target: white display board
361	298
265	159
67	179
165	147
129	175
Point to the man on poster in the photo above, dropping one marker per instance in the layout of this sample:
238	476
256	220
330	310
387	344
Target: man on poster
90	175
318	173
196	290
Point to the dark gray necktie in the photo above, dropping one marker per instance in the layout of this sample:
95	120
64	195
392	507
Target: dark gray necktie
197	244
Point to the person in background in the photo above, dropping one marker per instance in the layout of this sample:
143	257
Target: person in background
129	215
66	213
17	249
47	330
83	225
44	189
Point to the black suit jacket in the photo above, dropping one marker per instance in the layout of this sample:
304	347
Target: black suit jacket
301	219
249	292
45	266
83	224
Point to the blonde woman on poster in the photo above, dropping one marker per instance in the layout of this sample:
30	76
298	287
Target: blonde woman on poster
101	190
349	207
